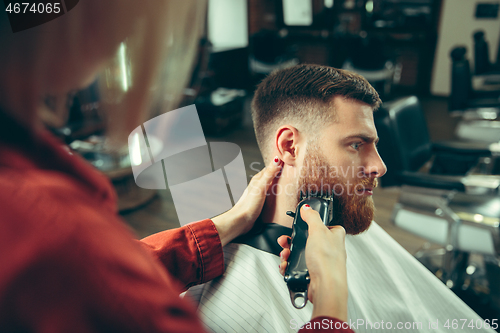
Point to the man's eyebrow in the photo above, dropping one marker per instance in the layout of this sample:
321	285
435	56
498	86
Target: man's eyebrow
365	138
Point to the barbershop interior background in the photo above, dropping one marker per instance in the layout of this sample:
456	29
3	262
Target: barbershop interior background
436	66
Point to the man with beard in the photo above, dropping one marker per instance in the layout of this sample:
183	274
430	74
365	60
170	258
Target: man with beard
319	121
353	204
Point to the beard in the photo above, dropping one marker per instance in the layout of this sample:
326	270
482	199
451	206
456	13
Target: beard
351	209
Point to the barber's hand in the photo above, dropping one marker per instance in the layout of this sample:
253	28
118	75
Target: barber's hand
326	262
240	219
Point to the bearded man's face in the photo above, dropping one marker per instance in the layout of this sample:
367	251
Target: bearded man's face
342	158
352	205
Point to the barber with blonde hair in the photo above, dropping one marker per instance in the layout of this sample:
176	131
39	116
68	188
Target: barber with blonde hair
68	263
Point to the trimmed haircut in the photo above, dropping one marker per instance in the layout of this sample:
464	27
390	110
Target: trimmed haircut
301	96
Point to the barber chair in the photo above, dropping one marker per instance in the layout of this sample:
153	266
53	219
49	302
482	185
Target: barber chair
475	99
269	51
219	105
464	93
367	57
482	64
220	110
451	205
407	148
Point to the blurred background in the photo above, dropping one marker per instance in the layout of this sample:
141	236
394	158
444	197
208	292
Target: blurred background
436	65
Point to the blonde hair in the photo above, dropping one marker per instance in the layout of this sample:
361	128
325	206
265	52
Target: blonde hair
159	39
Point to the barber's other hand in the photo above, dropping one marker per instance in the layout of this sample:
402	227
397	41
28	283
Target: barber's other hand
240	219
326	262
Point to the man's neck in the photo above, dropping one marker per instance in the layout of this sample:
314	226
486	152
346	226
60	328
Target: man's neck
280	200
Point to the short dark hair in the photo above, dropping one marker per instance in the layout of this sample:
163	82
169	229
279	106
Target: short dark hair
304	92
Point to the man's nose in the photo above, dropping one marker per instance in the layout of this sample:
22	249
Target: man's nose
375	167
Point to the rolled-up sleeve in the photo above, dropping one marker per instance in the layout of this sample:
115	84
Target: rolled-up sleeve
192	253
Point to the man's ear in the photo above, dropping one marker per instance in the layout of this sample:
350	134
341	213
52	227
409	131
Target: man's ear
287	144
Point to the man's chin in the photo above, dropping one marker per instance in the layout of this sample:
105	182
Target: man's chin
356	215
357	228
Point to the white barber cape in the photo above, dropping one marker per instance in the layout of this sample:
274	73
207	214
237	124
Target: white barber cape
389	290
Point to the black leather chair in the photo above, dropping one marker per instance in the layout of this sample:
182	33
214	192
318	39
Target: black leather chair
479	109
270	51
406	148
475	98
368	56
481	54
448	205
463	97
482	64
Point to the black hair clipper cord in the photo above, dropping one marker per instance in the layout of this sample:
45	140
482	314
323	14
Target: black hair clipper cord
296	274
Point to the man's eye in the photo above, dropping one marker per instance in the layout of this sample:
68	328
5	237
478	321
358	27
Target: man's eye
356	145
